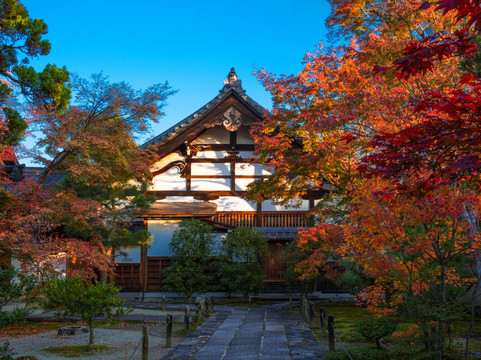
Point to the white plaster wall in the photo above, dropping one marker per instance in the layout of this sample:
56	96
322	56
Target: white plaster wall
210	169
250	169
161	231
269	206
246	154
58	262
132	255
170	180
211	155
241	184
243	136
233	203
215	135
210	184
179	199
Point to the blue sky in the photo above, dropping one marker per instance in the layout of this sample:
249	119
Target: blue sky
191	44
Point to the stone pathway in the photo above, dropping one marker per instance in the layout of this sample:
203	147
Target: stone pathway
270	332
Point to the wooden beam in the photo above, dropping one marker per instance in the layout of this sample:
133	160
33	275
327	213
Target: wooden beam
192	131
161	194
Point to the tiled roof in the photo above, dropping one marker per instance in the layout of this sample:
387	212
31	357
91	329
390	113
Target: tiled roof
279	233
231	85
35	172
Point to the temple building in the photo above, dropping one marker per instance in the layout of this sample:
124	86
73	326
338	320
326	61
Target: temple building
202	171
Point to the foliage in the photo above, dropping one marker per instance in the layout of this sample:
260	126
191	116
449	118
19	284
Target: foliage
191	250
388	354
6	353
75	296
420	253
361	353
394	103
443	147
319	244
374	330
22	40
314	253
14	284
79	140
16	316
240	259
88	215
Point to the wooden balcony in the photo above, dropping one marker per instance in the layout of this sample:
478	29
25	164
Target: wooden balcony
278	219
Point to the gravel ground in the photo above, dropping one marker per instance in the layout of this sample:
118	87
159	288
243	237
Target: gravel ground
122	340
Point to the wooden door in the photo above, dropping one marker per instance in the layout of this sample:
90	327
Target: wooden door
155	272
275	265
128	276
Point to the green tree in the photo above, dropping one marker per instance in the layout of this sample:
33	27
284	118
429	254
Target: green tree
192	249
21	40
92	144
374	330
240	261
14	284
75	296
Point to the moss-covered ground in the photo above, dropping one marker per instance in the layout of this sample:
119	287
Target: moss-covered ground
78	350
347	315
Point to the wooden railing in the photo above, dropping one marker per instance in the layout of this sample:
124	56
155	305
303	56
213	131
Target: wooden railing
268	219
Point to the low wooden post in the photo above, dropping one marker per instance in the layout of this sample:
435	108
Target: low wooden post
168	332
301	305
330	329
198	313
145	343
163	302
211	304
311	314
186	318
321	316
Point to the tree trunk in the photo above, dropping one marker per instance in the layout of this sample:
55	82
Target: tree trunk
54	164
440	327
91	333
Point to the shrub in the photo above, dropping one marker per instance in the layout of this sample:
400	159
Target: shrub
14	284
6	353
75	296
373	330
361	353
191	248
240	261
17	316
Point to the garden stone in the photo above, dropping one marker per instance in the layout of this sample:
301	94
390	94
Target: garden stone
72	330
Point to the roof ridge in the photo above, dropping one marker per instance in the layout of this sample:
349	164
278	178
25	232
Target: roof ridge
231	85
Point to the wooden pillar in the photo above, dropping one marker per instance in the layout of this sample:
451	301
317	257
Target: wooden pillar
260	222
232	176
188	172
143	270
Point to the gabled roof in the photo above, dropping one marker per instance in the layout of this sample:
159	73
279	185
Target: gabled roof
232	87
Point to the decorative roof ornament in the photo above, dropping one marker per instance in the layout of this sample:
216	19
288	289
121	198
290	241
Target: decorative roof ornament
232	120
232	82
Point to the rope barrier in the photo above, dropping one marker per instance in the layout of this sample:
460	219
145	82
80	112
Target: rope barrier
337	336
310	305
131	356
